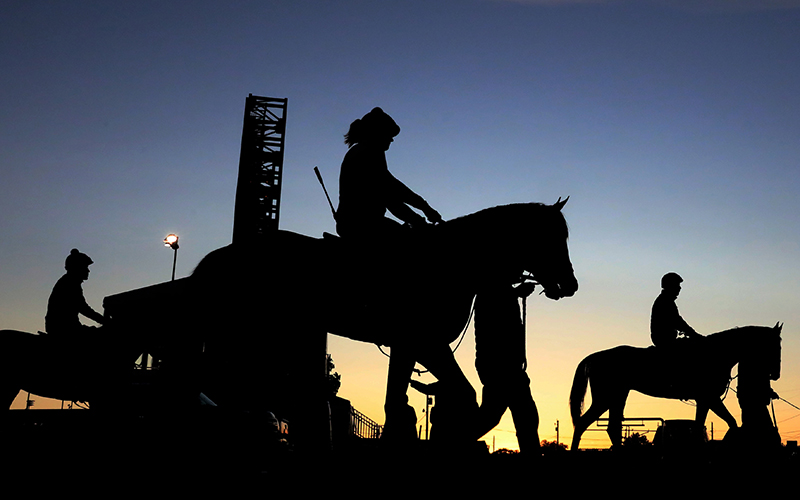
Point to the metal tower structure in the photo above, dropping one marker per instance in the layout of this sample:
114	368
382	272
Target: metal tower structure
258	191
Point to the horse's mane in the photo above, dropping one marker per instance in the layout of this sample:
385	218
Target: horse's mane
739	330
513	219
742	336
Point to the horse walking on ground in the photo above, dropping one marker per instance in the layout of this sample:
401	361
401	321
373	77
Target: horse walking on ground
253	306
699	370
414	296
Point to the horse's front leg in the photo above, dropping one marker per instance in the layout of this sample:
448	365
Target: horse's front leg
400	423
700	416
462	421
701	413
718	407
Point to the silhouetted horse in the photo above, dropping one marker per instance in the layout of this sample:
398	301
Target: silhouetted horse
54	369
263	311
700	370
413	295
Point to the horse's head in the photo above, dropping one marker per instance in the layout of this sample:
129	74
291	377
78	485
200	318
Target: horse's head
511	240
758	348
547	254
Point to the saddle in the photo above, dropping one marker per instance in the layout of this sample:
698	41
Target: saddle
683	367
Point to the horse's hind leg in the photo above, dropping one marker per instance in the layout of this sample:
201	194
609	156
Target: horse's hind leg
615	416
584	421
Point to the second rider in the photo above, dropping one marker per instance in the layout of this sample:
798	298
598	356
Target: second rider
366	187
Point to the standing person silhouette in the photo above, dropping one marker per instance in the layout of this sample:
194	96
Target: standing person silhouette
666	323
500	360
67	302
366	187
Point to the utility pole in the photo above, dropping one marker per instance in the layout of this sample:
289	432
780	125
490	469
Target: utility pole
558	440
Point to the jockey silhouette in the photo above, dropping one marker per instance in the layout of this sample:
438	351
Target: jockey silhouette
666	323
67	302
367	188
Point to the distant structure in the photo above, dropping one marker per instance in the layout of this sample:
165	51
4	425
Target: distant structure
258	191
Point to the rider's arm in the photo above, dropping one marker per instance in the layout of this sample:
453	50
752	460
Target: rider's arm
685	329
90	313
405	214
402	195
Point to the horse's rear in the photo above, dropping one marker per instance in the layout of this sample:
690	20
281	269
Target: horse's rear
37	364
19	352
612	374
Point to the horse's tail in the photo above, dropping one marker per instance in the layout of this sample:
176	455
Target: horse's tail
579	385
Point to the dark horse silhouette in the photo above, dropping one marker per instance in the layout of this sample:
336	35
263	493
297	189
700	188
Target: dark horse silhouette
705	369
414	297
54	369
253	304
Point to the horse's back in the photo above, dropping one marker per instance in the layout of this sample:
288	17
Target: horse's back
17	343
17	334
620	353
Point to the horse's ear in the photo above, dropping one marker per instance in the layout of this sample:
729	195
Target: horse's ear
560	204
778	326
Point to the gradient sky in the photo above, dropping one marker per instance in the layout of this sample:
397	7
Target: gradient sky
672	125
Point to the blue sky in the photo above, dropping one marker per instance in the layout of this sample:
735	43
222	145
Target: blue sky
672	125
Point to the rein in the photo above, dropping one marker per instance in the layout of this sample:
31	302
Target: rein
462	335
524	332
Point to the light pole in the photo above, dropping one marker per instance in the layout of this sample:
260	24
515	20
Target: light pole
172	241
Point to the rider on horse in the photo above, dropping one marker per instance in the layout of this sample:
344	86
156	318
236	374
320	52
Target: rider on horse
666	323
67	302
367	188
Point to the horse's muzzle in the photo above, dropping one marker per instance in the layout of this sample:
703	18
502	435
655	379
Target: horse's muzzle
560	292
566	289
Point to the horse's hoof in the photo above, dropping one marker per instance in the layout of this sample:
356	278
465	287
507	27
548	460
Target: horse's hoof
401	423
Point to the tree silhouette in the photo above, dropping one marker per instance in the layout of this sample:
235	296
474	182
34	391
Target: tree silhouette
552	446
505	451
636	440
334	380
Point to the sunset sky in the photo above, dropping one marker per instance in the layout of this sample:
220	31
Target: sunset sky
673	126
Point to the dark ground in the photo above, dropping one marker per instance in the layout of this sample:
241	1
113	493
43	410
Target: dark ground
177	456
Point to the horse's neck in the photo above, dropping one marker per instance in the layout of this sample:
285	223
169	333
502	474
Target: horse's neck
481	240
730	346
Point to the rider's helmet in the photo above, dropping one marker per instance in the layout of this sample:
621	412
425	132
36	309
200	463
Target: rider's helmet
671	280
77	260
375	124
379	122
